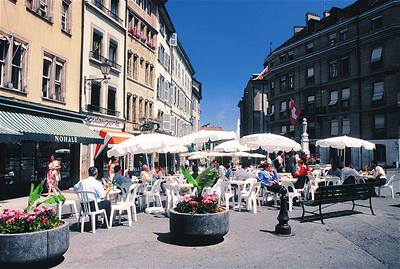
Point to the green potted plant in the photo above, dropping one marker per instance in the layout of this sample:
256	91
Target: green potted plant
34	234
199	217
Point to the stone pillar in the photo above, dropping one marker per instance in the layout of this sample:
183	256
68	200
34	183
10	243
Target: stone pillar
304	138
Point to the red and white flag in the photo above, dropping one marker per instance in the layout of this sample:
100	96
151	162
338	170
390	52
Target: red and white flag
294	112
263	73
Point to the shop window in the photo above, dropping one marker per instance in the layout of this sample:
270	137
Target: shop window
53	78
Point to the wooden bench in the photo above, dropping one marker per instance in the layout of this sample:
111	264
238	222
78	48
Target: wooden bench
330	195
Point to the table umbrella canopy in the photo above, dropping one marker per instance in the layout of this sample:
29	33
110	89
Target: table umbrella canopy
173	149
231	146
197	157
241	154
341	142
257	155
269	142
144	143
205	136
217	154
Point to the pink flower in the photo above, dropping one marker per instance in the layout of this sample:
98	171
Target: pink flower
44	219
31	217
192	203
10	221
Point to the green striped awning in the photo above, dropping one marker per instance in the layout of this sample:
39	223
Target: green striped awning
39	128
9	136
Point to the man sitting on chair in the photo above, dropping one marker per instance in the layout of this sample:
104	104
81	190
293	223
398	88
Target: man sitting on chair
349	174
269	179
91	184
124	182
378	173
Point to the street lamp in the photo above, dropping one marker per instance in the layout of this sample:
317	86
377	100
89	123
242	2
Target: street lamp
105	68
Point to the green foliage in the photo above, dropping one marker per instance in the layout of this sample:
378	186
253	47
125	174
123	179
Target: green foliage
35	194
207	178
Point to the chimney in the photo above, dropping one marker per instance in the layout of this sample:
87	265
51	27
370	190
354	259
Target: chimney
297	29
326	14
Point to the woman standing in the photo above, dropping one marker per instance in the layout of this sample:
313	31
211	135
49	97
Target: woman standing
53	175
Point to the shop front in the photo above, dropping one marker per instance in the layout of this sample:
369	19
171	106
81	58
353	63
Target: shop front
29	137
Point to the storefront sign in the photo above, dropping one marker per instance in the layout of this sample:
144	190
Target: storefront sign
65	139
103	122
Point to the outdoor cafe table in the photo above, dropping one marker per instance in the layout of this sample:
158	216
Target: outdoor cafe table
237	186
113	193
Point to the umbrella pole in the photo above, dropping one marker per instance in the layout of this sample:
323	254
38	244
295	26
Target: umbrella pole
147	160
344	156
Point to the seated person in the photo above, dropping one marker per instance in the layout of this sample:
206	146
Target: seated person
269	179
348	174
378	174
145	174
242	173
91	184
124	182
228	168
301	175
334	171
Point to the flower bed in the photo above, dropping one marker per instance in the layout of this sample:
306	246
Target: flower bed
17	221
199	204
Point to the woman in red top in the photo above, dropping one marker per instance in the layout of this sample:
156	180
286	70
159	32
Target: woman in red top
301	175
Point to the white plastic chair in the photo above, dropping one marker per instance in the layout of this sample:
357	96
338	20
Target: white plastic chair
131	198
292	192
227	194
332	181
153	192
172	197
251	197
87	212
245	192
389	185
70	203
121	207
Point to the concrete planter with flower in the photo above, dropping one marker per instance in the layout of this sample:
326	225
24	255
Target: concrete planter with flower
199	218
35	234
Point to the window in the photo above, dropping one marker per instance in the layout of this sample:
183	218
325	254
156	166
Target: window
332	40
376	23
95	96
134	115
53	78
151	76
334	127
151	110
344	67
146	109
379	122
111	101
97	45
129	64
333	69
343	35
146	73
283	83
66	16
311	99
291	81
310	72
135	66
18	54
114	9
376	55
112	53
346	98
345	126
128	106
283	129
378	91
283	106
333	98
148	7
309	47
43	8
3	57
282	58
290	55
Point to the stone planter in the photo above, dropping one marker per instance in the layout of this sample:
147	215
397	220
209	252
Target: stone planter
43	246
204	227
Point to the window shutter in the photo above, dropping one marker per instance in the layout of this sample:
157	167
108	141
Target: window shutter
50	7
166	122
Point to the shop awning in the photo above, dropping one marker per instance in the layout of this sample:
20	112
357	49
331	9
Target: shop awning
39	128
9	136
110	138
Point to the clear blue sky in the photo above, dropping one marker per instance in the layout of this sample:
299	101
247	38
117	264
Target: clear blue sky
227	41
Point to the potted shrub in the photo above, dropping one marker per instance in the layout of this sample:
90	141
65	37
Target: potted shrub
199	218
34	234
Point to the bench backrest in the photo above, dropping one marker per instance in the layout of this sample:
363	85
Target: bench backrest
341	193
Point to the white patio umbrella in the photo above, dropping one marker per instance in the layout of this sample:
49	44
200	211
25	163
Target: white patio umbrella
231	146
257	155
172	149
205	136
197	157
269	142
241	154
341	142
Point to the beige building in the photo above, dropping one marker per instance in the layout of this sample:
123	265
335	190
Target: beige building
195	109
103	100
141	45
40	44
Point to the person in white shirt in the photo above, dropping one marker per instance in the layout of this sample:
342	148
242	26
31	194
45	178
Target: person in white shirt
242	173
378	173
349	174
91	184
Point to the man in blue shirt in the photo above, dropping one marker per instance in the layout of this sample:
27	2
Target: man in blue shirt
269	178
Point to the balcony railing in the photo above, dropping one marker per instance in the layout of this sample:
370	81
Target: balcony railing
99	4
101	58
102	110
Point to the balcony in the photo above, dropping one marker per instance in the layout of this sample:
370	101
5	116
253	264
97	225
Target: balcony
97	56
110	13
102	110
